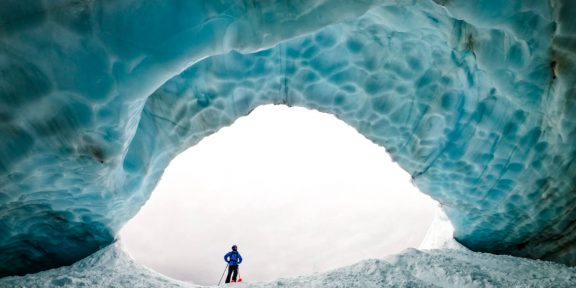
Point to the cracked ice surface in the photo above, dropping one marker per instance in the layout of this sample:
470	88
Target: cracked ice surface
473	98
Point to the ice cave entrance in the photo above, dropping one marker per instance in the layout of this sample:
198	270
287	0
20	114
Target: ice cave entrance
299	191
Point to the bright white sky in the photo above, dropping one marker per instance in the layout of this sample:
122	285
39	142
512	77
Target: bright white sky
298	191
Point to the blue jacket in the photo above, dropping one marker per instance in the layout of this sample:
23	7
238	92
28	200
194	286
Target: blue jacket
233	258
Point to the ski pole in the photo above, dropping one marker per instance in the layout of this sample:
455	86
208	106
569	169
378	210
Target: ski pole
223	274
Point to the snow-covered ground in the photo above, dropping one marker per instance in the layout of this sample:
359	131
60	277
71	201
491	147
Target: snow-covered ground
448	266
111	267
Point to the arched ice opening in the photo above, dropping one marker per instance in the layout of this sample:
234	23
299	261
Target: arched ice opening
430	91
297	190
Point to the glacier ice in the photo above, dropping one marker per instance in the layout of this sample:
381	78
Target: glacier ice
475	99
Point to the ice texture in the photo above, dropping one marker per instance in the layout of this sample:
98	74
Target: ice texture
475	99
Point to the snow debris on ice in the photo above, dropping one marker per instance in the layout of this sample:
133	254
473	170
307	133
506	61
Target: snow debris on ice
112	267
474	99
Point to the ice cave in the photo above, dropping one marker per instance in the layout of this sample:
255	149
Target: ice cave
475	99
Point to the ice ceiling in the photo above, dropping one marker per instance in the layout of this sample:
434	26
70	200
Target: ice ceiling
475	99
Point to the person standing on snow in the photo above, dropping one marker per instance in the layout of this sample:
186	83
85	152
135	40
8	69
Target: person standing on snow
233	259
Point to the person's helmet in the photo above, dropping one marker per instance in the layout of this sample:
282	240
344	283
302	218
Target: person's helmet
234	248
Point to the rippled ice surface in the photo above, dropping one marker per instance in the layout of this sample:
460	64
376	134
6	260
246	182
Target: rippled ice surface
474	99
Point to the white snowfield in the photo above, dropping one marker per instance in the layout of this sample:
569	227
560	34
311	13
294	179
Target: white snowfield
448	266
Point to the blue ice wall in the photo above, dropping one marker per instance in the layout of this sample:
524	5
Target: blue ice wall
475	99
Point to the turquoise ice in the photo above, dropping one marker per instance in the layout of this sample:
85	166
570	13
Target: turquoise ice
475	99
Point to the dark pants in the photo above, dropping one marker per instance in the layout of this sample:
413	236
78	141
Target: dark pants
232	269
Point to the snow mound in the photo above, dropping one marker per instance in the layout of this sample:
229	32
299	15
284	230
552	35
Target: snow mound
474	99
440	268
109	267
112	267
